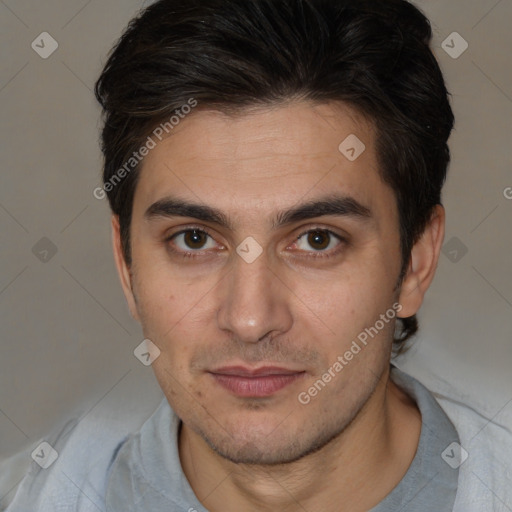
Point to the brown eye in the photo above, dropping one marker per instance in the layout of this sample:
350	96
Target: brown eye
195	239
319	240
189	241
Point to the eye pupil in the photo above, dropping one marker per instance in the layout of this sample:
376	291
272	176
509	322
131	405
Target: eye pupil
316	238
194	239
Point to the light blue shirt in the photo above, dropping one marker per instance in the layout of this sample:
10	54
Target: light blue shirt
101	469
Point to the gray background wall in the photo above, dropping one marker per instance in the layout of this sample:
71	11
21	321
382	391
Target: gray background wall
67	337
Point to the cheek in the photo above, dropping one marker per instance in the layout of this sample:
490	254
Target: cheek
340	298
340	308
165	298
174	314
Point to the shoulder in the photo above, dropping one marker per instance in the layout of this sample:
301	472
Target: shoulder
83	451
486	469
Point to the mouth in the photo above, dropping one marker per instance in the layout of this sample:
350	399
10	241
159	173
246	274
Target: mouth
255	382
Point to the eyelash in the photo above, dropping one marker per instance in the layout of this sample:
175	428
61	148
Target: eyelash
317	254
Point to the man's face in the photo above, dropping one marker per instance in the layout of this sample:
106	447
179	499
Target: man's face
242	333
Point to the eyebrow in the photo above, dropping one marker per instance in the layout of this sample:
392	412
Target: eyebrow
334	205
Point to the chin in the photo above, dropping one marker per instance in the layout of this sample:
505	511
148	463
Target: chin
259	452
271	445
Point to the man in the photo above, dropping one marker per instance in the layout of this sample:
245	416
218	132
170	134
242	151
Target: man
274	168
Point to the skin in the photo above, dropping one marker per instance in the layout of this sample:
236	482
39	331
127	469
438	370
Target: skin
351	445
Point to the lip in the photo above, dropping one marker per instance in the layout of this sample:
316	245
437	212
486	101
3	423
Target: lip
255	382
243	371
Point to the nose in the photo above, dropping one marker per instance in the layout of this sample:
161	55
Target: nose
254	302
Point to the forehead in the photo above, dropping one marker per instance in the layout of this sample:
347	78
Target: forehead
262	159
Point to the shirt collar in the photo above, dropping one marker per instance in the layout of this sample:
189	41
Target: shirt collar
146	473
432	478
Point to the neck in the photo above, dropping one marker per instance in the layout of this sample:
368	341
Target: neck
353	472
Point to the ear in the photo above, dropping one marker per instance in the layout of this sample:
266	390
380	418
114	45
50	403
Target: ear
423	264
122	268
